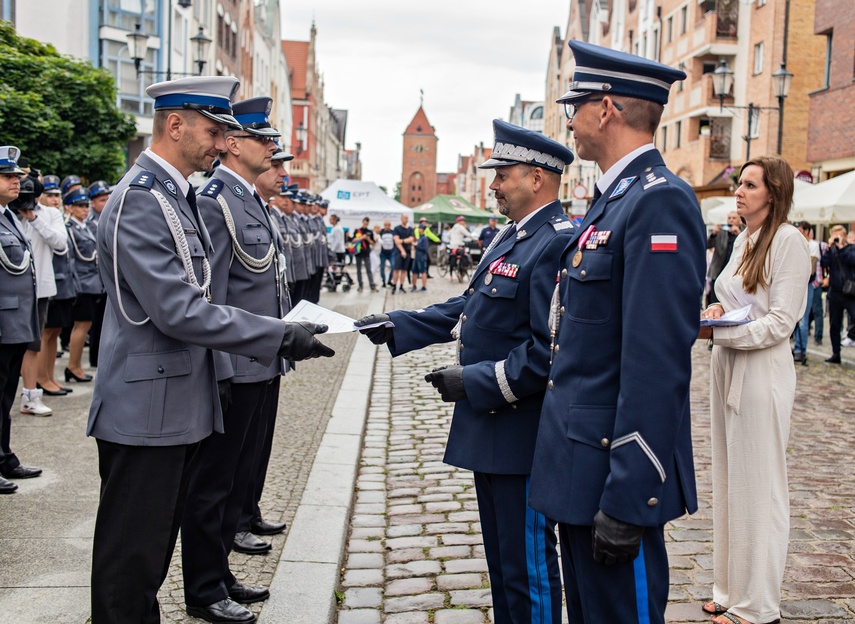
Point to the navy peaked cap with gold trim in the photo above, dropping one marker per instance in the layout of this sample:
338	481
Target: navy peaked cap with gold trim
611	72
515	145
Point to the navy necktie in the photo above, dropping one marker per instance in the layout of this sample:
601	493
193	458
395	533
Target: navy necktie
597	194
191	199
258	199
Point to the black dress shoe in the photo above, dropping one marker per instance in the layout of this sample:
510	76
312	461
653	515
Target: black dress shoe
262	527
21	472
245	594
247	543
7	487
47	392
834	359
226	610
69	376
66	389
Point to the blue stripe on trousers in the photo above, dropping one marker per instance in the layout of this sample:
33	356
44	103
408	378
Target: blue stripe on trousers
642	601
538	573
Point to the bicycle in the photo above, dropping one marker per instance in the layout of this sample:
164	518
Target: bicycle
442	262
459	262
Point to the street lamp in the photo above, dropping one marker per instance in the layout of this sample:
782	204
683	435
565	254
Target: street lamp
301	133
138	46
781	80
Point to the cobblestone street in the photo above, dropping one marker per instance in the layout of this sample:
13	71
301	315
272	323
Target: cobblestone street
415	555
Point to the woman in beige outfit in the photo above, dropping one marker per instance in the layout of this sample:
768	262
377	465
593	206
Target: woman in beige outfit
751	397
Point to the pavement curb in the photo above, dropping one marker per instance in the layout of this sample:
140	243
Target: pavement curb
303	587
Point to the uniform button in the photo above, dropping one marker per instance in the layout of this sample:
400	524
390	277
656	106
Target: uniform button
463	319
550	384
461	346
160	369
652	502
563	273
513	406
561	311
557	348
471	291
604	443
492	411
583	274
493	290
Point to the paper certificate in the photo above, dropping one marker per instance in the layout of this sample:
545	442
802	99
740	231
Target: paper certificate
729	319
337	323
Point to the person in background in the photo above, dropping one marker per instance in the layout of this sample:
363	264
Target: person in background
803	326
839	261
431	236
488	233
337	239
18	326
404	237
44	227
421	258
374	262
363	241
387	252
99	193
721	242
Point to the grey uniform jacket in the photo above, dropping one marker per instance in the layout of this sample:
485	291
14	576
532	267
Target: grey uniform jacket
156	384
19	321
67	282
282	224
308	238
295	240
322	259
84	247
231	282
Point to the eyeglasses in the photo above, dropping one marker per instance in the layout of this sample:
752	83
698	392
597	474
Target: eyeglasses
571	109
264	140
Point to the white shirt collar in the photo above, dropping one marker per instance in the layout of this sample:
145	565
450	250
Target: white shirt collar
528	217
180	180
616	169
240	178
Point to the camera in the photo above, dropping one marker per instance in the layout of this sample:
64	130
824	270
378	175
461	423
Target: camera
836	240
31	190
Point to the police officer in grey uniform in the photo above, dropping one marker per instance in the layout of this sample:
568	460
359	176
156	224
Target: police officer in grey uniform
301	214
99	193
277	208
156	395
19	322
291	233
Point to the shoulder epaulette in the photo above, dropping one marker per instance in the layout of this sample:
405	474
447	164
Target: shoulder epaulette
652	179
212	189
561	222
144	179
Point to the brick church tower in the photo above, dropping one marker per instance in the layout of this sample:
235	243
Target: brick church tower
418	175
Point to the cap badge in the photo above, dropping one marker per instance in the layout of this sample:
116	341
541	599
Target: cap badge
170	186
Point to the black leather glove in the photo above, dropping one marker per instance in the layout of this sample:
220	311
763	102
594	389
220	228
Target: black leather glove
377	335
225	390
614	541
449	381
300	343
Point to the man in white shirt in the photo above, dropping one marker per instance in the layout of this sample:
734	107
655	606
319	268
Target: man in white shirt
337	238
459	234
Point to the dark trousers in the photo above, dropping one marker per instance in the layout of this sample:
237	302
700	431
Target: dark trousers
522	559
364	261
387	255
816	313
251	511
95	330
629	593
11	356
837	304
143	490
313	287
215	497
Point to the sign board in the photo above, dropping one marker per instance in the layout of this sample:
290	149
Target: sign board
579	206
580	192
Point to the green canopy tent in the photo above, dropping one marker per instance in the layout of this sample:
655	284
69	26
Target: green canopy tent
446	208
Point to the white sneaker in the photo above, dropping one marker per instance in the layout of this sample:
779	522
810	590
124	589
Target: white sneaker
31	403
847	342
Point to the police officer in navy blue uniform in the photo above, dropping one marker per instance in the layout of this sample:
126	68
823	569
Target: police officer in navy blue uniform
503	342
613	461
246	274
19	322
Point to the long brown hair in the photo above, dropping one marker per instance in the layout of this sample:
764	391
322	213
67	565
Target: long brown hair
778	178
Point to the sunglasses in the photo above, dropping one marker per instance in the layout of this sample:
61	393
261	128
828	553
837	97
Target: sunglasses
264	140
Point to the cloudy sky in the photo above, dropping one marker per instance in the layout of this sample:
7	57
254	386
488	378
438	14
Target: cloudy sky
469	56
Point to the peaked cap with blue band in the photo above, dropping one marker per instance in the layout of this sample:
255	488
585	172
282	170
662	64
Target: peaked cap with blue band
611	72
209	95
289	190
51	183
76	196
254	116
9	155
69	181
99	187
515	145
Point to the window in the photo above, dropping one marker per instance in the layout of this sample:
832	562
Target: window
754	124
684	19
761	3
669	29
828	39
681	84
663	143
758	58
678	140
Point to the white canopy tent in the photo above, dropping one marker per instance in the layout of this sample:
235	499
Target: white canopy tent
832	201
716	209
353	200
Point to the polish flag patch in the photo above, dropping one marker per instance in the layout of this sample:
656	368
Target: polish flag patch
663	242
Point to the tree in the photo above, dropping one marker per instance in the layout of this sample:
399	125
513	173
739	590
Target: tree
61	112
397	191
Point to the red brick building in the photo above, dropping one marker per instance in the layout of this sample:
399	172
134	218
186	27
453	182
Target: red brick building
418	172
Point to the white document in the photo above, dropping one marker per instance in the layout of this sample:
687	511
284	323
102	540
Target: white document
729	319
337	323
